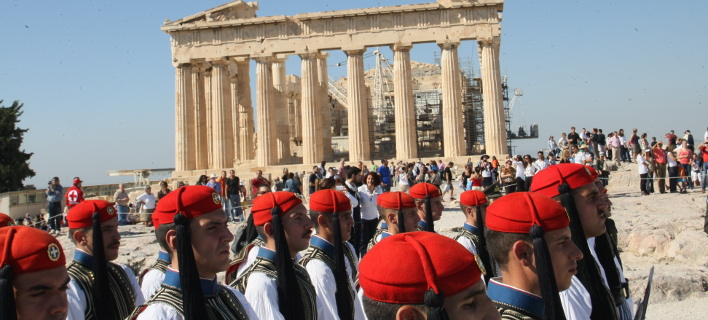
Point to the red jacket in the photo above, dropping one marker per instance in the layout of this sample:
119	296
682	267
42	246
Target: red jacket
704	152
74	196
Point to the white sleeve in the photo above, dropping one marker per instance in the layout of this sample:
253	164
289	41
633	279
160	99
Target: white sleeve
250	259
159	311
77	301
139	299
467	244
151	282
576	301
246	306
262	294
323	280
352	199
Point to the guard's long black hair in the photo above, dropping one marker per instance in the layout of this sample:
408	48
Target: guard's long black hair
428	215
401	224
482	250
343	296
606	256
588	272
103	299
247	236
192	296
553	309
289	297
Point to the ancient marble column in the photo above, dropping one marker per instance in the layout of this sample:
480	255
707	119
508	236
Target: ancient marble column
295	121
200	117
494	119
184	116
359	147
325	106
311	133
234	106
221	147
209	121
404	108
281	109
245	110
266	150
452	123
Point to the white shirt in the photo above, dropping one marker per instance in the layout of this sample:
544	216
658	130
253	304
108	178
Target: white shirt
403	178
325	285
541	164
77	296
368	202
149	200
250	259
530	170
580	158
671	162
262	294
164	312
643	169
519	169
576	301
152	280
623	141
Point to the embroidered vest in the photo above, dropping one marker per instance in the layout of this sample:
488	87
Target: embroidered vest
317	252
224	305
267	266
119	284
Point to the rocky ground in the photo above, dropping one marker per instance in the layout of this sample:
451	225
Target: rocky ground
661	230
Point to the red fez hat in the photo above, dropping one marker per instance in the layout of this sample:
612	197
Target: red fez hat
29	250
420	190
424	260
473	198
329	201
6	221
263	204
546	182
517	212
191	201
395	200
81	215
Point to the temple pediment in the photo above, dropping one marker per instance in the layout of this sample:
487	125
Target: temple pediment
234	10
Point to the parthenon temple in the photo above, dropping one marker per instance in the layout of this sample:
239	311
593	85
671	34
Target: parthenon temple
309	118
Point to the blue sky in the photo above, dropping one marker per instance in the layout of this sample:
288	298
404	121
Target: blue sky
98	87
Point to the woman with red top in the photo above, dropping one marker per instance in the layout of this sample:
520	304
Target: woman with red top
684	159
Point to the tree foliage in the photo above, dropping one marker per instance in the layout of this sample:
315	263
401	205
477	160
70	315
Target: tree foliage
14	165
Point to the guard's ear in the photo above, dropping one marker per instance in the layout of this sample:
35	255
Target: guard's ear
523	253
469	210
409	312
171	240
268	228
81	237
323	220
391	217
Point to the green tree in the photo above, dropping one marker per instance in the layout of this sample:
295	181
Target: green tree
14	166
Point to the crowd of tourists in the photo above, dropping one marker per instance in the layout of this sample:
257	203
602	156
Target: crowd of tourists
679	159
364	247
358	250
